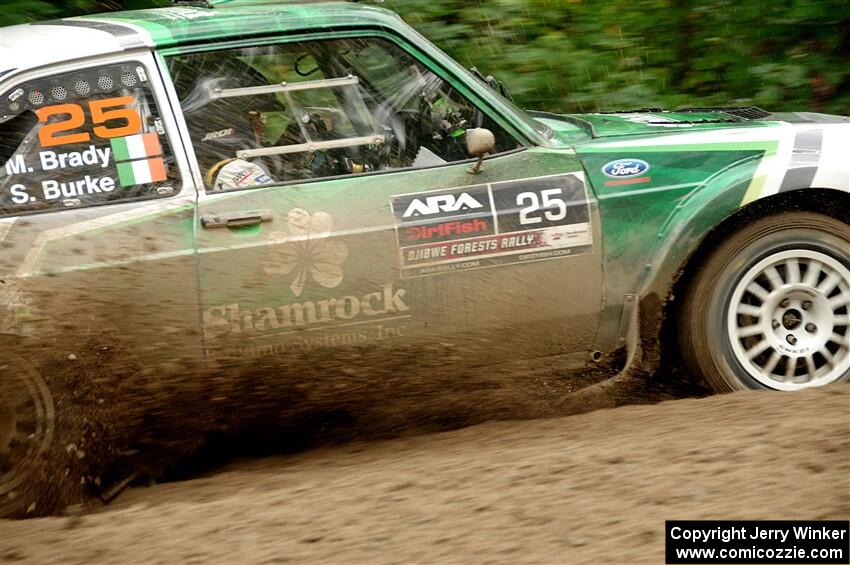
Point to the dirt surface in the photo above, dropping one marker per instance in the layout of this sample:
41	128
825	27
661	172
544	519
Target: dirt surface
591	488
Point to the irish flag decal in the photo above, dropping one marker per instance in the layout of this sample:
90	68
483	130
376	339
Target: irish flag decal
143	156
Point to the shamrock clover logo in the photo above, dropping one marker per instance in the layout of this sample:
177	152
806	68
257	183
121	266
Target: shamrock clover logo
307	252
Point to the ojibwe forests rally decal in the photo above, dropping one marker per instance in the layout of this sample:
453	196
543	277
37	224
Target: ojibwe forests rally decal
68	145
492	224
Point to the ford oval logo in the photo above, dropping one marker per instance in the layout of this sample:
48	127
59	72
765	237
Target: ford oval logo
625	168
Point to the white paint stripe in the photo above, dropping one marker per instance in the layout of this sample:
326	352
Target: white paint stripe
28	264
142	172
120	262
754	135
649	190
774	168
834	170
135	146
5	227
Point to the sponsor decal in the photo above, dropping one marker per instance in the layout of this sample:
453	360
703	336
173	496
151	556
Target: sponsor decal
376	332
492	224
444	216
213	135
442	204
626	171
625	168
307	253
250	178
306	257
446	230
238	173
233	319
144	155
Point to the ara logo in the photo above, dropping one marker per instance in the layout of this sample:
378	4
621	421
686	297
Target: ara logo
442	203
625	168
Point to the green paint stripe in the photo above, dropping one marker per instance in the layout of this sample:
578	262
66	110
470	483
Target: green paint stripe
125	174
120	151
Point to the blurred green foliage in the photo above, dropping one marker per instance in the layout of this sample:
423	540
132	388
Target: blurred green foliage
587	55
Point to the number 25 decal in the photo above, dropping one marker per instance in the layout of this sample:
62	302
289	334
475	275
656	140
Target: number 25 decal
550	201
101	111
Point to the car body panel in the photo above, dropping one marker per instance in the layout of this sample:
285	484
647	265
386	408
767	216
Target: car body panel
31	46
125	268
698	179
662	122
654	185
335	266
102	269
182	25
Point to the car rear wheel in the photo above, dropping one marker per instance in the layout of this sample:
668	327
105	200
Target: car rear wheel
27	424
769	308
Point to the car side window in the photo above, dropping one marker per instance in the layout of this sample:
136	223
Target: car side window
83	138
300	111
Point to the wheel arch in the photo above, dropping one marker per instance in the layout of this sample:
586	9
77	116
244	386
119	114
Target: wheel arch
830	202
691	243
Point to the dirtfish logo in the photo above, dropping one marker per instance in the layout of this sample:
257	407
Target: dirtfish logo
625	168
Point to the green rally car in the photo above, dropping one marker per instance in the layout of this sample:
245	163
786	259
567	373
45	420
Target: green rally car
245	180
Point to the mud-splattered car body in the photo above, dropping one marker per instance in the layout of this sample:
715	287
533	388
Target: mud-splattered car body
218	217
110	220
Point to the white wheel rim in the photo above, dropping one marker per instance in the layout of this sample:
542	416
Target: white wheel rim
788	320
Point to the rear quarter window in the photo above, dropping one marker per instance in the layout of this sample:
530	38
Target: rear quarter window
86	138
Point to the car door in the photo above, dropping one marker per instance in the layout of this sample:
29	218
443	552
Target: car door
95	219
339	211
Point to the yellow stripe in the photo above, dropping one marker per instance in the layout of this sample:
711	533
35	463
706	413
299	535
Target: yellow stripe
754	190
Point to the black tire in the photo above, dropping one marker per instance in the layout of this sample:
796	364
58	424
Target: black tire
706	326
27	430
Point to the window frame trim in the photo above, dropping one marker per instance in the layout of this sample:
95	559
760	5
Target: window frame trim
431	58
146	58
466	89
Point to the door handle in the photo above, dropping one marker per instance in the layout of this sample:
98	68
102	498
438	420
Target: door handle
235	219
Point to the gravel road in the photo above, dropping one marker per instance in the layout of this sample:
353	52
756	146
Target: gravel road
590	488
